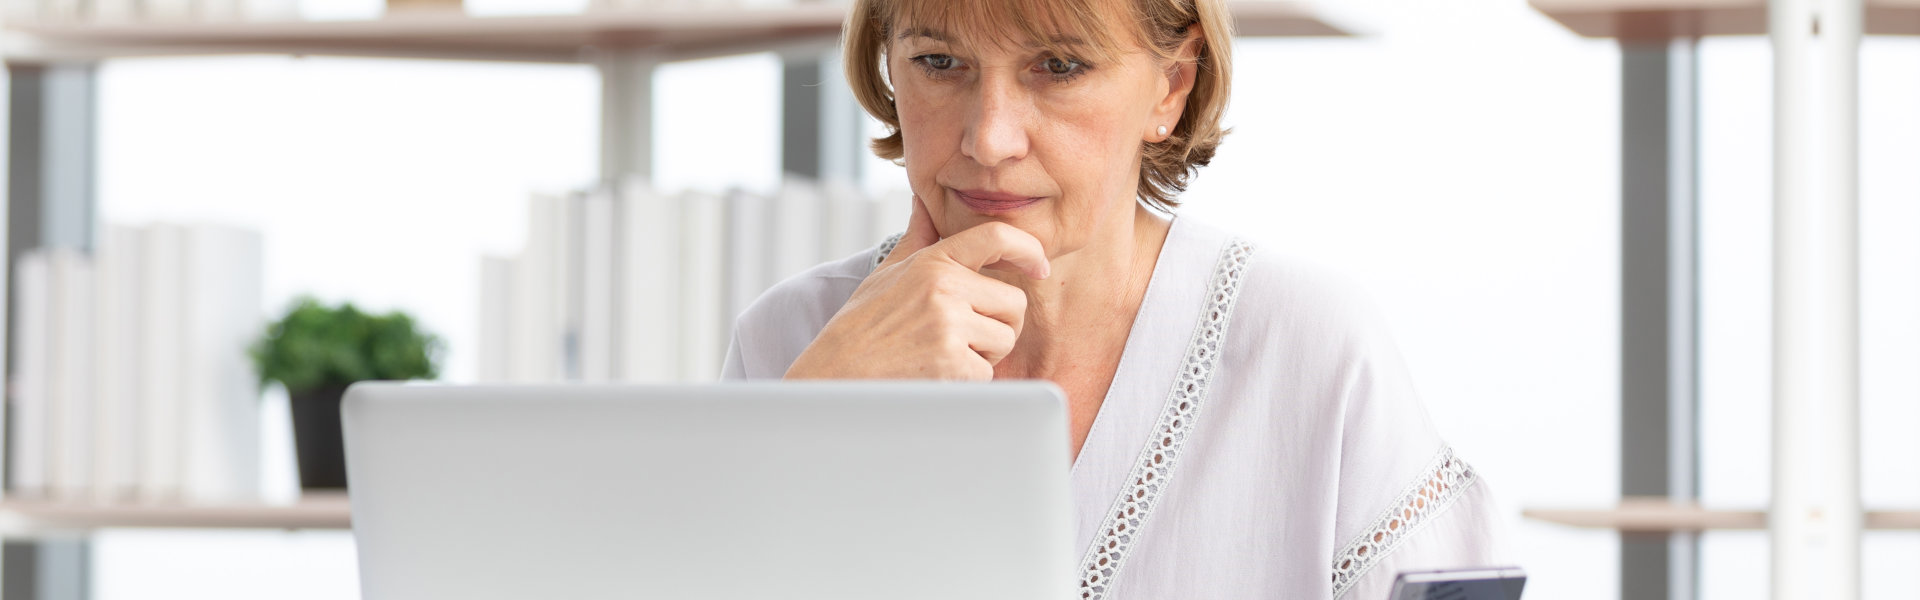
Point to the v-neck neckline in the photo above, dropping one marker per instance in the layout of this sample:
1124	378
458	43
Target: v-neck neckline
1130	352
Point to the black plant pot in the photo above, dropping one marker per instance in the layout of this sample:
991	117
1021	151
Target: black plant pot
316	438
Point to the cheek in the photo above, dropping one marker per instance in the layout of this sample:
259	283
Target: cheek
1097	150
928	134
926	115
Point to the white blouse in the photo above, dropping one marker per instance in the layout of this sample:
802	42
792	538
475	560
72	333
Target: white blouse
1261	438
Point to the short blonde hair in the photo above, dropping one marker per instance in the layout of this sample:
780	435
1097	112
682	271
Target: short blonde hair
1161	27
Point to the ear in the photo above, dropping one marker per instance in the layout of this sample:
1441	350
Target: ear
1180	77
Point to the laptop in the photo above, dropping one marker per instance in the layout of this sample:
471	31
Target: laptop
843	490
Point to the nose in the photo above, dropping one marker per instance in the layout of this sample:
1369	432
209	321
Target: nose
998	131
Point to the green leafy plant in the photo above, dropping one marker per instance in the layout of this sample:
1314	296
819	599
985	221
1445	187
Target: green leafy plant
317	346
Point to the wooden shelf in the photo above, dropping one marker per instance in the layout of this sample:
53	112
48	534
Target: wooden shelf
1657	515
312	511
1653	20
676	33
553	38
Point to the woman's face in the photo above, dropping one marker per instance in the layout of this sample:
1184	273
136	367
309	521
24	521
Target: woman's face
1008	131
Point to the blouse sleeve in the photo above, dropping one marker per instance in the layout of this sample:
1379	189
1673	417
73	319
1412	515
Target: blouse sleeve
1468	533
735	367
1406	502
777	327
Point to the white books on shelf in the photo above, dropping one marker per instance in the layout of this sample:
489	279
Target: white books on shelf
596	323
163	365
114	11
132	378
572	271
798	231
626	283
748	252
33	350
70	397
53	386
218	10
848	227
220	396
167	10
496	319
649	280
890	214
118	394
20	11
538	300
705	323
221	10
270	10
62	11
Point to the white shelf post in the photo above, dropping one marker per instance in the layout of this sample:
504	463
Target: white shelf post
1816	519
626	112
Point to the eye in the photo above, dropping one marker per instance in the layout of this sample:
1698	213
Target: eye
936	62
1063	68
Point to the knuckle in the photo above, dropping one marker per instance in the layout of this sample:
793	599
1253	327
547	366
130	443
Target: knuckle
940	285
948	340
961	367
942	312
1014	295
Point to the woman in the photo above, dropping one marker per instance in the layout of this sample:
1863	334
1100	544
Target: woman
1046	143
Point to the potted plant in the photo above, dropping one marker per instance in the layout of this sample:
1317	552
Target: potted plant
316	351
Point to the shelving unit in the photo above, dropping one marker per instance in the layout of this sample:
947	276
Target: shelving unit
678	34
312	511
682	33
1659	515
1815	518
1666	19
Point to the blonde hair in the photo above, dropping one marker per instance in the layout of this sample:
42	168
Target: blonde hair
1161	26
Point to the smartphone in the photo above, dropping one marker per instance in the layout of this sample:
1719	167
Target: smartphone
1488	583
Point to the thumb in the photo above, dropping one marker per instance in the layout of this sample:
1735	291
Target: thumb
920	234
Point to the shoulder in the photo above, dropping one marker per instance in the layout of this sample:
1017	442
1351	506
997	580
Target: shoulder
1290	304
783	320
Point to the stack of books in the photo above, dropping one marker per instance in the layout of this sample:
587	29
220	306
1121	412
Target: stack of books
132	380
624	283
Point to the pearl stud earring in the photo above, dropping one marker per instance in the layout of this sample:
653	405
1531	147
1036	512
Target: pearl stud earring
1163	131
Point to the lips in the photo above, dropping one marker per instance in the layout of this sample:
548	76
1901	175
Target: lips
983	201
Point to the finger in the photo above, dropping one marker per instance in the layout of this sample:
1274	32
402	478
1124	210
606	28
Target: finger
990	338
920	234
995	242
994	299
976	368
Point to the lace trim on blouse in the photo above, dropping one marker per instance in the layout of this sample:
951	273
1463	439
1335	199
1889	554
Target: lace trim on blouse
1444	480
1155	465
886	247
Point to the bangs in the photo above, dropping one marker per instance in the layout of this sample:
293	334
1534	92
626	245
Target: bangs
1082	28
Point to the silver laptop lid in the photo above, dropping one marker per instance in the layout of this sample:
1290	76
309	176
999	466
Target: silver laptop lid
763	490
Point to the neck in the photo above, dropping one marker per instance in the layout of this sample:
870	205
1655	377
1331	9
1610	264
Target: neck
1079	317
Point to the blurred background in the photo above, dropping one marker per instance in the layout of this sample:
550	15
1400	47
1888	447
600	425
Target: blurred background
497	171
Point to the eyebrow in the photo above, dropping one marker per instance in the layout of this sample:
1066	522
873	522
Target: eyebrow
939	36
936	35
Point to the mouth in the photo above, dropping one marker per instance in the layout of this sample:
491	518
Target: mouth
985	202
